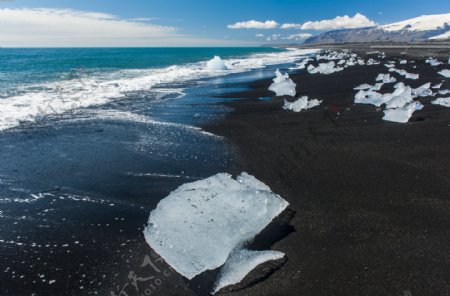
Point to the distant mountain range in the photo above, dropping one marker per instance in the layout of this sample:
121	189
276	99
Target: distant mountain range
422	28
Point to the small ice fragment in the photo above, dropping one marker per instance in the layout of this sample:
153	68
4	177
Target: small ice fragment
363	87
442	101
444	91
385	78
372	62
403	62
445	73
403	114
282	85
301	104
216	64
411	76
423	91
405	74
433	62
324	68
437	86
377	86
369	97
240	263
400	97
302	64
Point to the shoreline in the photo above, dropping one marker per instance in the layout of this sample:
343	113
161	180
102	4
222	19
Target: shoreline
369	196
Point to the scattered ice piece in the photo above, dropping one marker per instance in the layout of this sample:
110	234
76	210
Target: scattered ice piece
216	64
423	91
377	86
371	97
405	74
240	263
372	62
389	65
199	224
301	104
385	78
324	68
444	91
433	62
411	76
400	97
302	64
442	101
403	114
445	73
282	85
51	282
403	62
437	86
363	87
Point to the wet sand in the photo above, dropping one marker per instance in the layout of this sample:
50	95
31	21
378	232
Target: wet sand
370	198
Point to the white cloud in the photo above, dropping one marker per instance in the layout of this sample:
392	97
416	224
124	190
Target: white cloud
66	27
340	22
274	37
254	25
259	35
48	27
291	26
299	36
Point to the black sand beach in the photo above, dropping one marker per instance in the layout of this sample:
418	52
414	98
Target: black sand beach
371	197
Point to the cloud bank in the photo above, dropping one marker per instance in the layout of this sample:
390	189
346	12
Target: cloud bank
254	25
48	27
340	22
299	36
45	26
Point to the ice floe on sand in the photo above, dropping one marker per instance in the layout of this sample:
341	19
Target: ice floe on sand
282	85
404	73
205	224
399	105
337	61
445	73
324	68
216	64
301	104
385	78
442	101
423	90
433	62
403	114
366	86
240	263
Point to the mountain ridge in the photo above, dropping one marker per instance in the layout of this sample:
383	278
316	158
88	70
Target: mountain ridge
422	28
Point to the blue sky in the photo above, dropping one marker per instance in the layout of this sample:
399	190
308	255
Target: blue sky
199	22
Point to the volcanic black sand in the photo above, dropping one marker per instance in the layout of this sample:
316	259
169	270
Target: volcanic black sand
370	198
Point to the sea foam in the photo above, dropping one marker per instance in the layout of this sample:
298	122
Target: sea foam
44	99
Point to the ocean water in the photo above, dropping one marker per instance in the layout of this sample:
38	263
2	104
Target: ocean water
39	82
90	141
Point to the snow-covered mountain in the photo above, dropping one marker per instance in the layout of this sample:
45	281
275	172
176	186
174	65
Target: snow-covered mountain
426	27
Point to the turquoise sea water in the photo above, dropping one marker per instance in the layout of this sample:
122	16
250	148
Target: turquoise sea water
36	83
19	66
